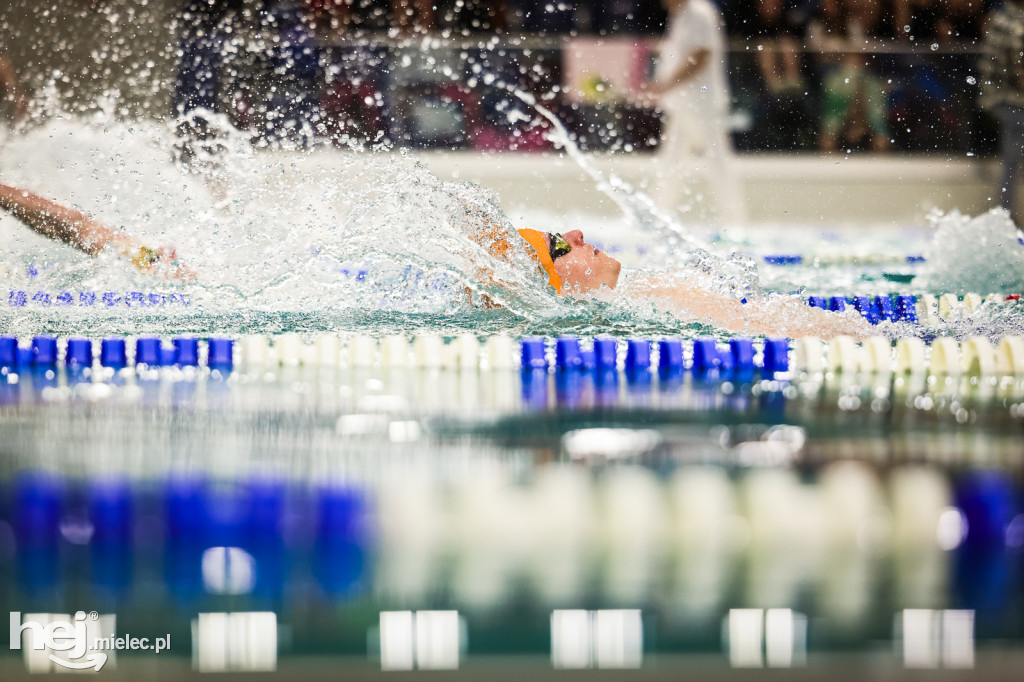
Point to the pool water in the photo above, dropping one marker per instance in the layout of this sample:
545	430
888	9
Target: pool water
371	242
329	492
433	506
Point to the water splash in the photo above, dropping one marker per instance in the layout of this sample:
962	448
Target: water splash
284	230
981	255
675	249
314	240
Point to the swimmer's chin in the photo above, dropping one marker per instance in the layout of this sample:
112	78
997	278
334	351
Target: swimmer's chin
604	292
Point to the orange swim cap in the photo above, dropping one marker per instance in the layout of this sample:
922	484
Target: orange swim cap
542	253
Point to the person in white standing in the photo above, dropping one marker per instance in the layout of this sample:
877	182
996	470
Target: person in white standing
690	81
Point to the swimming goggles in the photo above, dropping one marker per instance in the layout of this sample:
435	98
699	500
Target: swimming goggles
558	246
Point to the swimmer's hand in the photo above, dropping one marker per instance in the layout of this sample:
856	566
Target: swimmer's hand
76	229
161	262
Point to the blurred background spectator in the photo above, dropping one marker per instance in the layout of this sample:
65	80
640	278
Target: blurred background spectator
776	32
693	92
293	60
828	28
469	17
1002	92
870	20
205	26
853	109
868	75
11	91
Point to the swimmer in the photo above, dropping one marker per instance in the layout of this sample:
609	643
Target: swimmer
575	267
572	266
76	229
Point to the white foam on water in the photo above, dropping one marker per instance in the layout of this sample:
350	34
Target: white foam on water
320	232
275	230
331	233
979	254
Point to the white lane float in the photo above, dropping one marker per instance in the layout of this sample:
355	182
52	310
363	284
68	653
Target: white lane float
876	355
1010	355
362	351
945	357
978	357
394	351
809	355
911	356
843	355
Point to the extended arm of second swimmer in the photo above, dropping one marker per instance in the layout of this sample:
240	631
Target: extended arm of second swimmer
779	316
76	229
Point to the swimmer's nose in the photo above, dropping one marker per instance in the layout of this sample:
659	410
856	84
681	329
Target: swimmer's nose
574	237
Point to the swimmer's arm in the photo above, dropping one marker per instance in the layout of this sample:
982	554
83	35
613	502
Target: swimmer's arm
76	229
780	316
57	222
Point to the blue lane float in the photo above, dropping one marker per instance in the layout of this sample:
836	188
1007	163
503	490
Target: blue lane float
148	352
866	308
8	351
533	354
220	354
44	351
877	309
186	352
589	358
742	352
837	304
670	354
705	355
78	353
885	308
167	355
725	359
776	356
638	354
606	353
798	259
568	354
906	308
900	307
113	353
784	259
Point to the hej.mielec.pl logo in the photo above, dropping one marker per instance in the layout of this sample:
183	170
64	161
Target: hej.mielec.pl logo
79	641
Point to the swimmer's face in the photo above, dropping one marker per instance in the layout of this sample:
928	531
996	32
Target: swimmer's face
585	268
